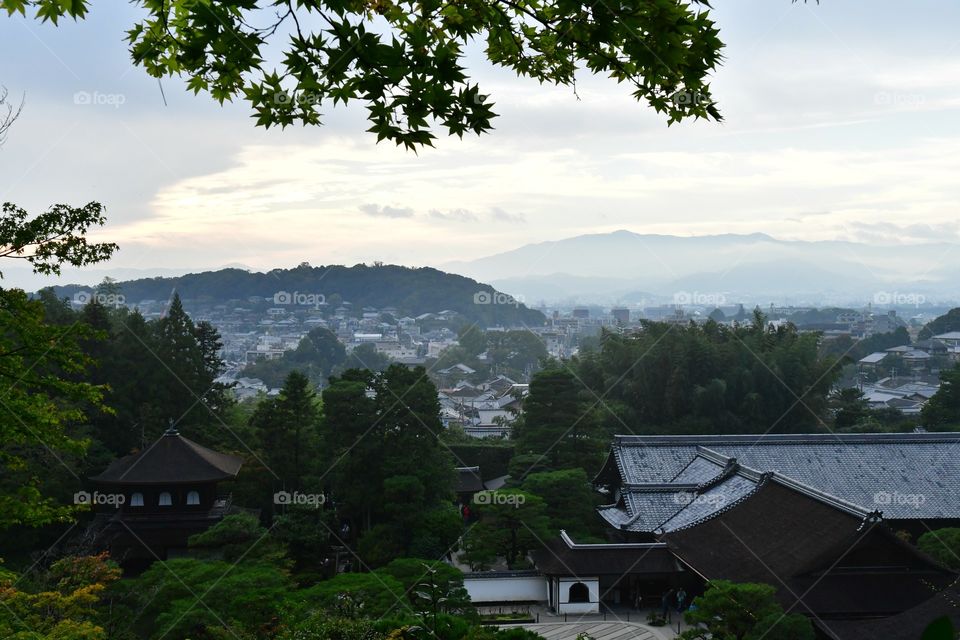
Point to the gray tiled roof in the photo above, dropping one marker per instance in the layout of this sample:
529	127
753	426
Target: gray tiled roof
906	476
715	499
667	507
699	470
648	509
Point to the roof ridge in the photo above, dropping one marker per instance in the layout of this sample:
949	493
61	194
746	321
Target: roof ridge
784	438
651	487
203	452
692	460
146	466
608	545
730	505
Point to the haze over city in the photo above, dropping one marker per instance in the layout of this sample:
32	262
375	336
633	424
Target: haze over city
837	126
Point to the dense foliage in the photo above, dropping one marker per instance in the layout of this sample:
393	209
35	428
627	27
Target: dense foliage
844	347
394	478
512	523
950	321
315	357
403	60
516	354
61	602
710	378
745	611
943	545
942	411
157	372
42	365
559	428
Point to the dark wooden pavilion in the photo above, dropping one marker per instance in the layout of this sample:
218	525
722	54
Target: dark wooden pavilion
170	492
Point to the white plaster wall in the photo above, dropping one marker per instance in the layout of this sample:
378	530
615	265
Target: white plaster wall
565	606
507	589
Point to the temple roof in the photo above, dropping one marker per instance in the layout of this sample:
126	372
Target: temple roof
822	556
563	557
172	459
906	476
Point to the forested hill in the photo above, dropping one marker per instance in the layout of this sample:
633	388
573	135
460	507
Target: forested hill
411	291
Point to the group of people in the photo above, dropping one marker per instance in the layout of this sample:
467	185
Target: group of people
672	599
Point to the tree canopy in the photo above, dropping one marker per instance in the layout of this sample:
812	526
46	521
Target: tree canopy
710	378
942	411
743	611
404	59
950	321
943	545
42	364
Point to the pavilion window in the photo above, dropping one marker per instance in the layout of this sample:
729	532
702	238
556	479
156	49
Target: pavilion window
166	499
193	497
579	592
136	499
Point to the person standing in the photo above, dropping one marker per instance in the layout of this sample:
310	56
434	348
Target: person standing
665	603
681	600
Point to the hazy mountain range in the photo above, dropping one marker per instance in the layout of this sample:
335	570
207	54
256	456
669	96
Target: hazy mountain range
623	267
636	268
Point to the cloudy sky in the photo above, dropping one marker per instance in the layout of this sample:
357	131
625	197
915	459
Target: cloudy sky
841	123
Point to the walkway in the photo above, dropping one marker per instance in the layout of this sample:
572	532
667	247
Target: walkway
599	631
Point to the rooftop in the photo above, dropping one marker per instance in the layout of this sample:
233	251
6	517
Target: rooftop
172	459
858	469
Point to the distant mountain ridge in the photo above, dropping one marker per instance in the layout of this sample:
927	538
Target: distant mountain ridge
412	291
611	267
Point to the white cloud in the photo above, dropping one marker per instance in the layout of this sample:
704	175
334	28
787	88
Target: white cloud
378	211
454	215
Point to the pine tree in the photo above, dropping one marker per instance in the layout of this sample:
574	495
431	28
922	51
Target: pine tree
558	426
287	427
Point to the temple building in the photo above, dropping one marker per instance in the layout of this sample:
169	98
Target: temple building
580	577
658	483
170	492
822	518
